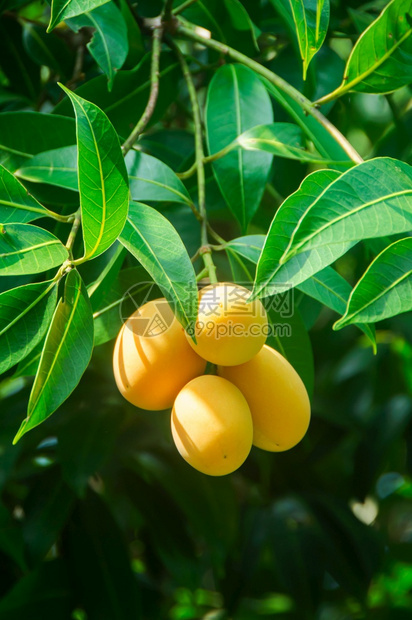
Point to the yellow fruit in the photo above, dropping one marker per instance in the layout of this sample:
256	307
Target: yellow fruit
152	359
212	425
229	331
277	398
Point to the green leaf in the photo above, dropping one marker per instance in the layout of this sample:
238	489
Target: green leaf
151	179
98	289
94	436
311	20
42	594
20	70
130	291
282	140
109	45
16	204
64	9
381	60
289	335
48	50
29	365
240	20
25	314
46	511
103	183
28	249
241	175
57	167
24	134
371	200
158	247
326	144
99	563
291	339
328	287
127	99
385	289
66	354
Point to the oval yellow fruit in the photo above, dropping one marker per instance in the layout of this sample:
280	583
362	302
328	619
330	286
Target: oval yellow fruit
152	359
277	398
228	330
212	426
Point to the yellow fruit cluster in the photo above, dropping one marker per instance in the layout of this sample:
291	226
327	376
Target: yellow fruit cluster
256	397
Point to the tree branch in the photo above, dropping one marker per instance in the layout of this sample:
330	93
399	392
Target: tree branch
277	81
154	90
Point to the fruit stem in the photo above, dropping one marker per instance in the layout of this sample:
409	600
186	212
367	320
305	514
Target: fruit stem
205	250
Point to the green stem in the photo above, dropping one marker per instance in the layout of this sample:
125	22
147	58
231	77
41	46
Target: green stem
154	90
202	274
183	7
65	219
72	235
167	12
206	160
306	105
205	251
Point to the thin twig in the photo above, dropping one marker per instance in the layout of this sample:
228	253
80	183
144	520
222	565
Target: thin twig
306	105
205	250
206	160
183	7
154	90
167	11
72	235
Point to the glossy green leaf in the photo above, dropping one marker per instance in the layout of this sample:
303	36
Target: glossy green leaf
25	314
385	289
326	286
103	183
64	9
158	247
241	175
151	179
324	142
24	134
16	204
311	20
97	289
57	167
109	45
329	288
381	60
371	200
130	290
29	365
29	249
66	354
228	21
282	140
126	101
